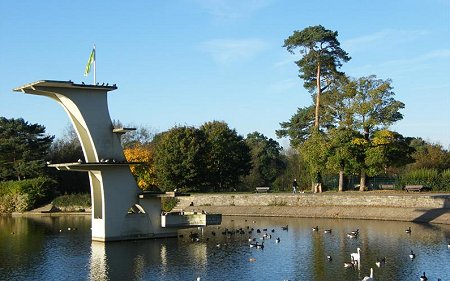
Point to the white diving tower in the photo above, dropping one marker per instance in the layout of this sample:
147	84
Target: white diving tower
120	210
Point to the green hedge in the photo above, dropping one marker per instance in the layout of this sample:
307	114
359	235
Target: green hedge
24	195
437	181
71	202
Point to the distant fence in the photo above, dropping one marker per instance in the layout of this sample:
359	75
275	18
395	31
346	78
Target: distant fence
332	182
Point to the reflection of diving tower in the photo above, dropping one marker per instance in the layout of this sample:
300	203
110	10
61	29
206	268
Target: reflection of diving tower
120	210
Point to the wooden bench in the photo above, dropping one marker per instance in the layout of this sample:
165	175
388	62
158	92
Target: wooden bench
415	188
262	189
387	186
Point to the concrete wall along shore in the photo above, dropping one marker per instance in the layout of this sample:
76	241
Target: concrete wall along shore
428	201
415	207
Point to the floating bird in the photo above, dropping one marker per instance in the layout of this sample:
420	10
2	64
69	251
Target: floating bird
251	259
369	278
285	227
412	255
380	261
356	256
352	234
260	246
252	245
423	277
277	240
408	230
315	228
327	231
350	264
329	258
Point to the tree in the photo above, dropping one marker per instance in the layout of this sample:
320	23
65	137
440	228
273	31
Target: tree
387	149
180	159
322	57
267	161
23	149
343	153
142	135
144	173
429	156
374	105
67	149
299	127
374	108
314	152
228	156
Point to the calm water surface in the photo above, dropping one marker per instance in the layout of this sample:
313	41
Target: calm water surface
42	248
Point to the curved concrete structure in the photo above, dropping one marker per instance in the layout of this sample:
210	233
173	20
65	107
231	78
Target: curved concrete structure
118	212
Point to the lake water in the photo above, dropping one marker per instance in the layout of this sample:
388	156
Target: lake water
42	248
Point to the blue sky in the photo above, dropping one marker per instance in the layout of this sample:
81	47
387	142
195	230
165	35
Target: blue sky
186	62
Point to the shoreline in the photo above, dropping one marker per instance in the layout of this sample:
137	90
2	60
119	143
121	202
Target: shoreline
412	207
389	206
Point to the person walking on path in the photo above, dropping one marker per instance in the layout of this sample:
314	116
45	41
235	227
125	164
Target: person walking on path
294	186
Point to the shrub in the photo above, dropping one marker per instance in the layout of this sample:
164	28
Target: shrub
168	203
445	180
20	196
427	177
72	202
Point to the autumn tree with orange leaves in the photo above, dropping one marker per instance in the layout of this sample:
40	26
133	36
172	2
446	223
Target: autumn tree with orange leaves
144	173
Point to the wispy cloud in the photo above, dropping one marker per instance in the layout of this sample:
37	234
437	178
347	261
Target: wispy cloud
226	51
230	10
412	64
385	38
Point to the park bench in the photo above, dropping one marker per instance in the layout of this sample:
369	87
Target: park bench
418	187
387	186
262	189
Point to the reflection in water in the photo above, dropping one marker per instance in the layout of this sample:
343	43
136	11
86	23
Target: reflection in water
42	248
98	266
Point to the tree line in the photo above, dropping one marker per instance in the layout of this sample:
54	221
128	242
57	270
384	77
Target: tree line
343	133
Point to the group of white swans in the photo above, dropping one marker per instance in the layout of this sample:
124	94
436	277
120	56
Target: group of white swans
356	257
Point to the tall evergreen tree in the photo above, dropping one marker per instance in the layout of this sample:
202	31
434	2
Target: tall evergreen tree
23	149
322	57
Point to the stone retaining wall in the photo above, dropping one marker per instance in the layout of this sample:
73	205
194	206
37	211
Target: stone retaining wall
427	201
424	208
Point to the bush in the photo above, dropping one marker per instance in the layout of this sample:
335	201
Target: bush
20	196
168	203
445	180
426	177
72	202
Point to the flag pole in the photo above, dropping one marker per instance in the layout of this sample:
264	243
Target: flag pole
95	66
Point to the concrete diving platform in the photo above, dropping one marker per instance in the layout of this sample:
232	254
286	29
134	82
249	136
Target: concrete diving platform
183	219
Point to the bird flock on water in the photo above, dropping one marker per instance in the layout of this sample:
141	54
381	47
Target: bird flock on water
258	236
